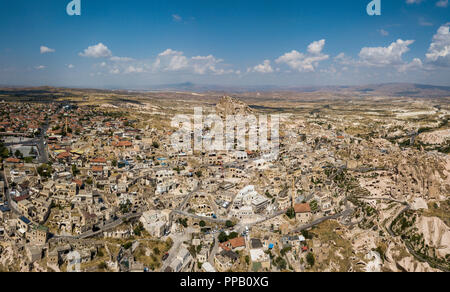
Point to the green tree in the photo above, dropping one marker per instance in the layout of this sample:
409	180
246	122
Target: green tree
310	259
233	235
306	234
156	251
45	170
183	222
4	152
280	263
102	266
138	229
18	154
202	223
75	170
127	245
223	237
290	213
229	224
285	250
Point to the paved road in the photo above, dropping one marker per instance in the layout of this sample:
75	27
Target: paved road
209	219
388	228
43	153
345	213
382	199
177	241
188	197
8	195
104	228
411	250
38	142
276	214
214	250
179	209
240	227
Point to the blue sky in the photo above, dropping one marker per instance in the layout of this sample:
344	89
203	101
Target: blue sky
140	43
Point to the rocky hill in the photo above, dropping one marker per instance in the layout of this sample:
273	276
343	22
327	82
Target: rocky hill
232	106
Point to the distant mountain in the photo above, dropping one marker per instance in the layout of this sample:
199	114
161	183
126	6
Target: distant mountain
192	87
391	89
405	89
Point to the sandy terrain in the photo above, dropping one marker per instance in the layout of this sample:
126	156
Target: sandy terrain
436	234
419	203
436	137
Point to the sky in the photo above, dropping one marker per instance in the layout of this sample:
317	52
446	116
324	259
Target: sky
144	43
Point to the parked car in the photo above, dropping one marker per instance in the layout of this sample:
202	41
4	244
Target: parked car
165	257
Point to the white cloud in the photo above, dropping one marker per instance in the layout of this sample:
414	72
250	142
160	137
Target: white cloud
133	69
439	51
442	3
177	18
305	62
121	59
97	51
346	61
383	32
46	50
424	22
383	56
205	64
413	1
265	67
70	66
416	63
40	67
316	47
171	60
114	71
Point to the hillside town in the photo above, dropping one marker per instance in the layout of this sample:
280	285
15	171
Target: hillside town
101	187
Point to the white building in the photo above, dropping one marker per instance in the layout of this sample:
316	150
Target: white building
208	268
156	223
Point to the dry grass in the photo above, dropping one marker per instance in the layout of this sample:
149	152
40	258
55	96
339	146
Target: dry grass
440	210
326	233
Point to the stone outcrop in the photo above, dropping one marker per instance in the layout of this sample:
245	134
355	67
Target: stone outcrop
232	106
436	234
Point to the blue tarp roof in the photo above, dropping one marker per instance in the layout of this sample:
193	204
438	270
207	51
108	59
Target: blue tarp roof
4	208
25	220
